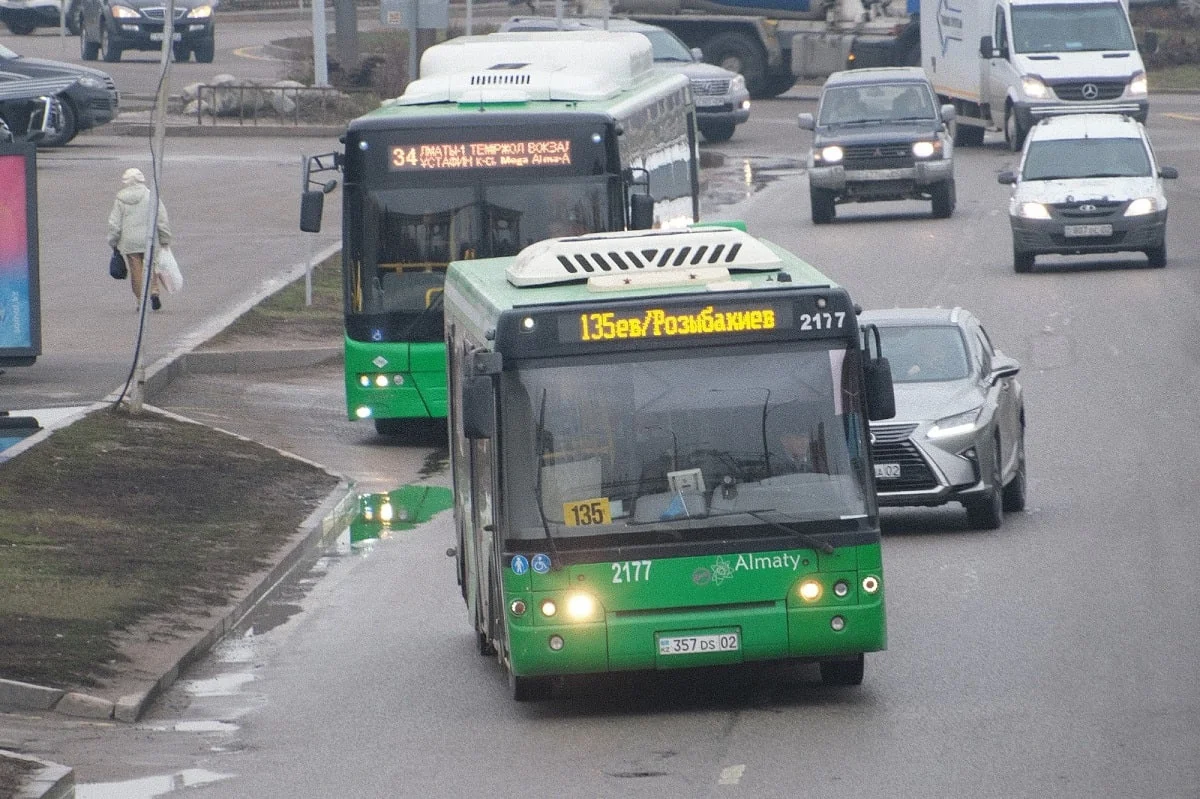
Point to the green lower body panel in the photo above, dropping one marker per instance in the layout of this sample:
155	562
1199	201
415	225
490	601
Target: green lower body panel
402	381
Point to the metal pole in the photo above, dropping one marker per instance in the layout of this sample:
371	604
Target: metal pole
320	56
414	19
308	267
470	15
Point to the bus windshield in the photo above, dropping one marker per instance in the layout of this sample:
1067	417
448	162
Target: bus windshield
409	235
674	440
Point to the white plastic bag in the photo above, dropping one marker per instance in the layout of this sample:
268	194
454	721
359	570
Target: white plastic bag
168	272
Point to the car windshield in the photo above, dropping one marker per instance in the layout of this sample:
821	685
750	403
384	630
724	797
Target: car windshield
1063	159
1070	28
925	353
666	46
669	439
877	102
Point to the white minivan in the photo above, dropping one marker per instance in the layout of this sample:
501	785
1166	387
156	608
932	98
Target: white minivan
1088	183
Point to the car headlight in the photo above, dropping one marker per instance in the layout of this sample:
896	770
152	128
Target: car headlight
1141	206
1138	86
926	149
91	82
200	12
1034	88
955	425
1032	211
830	155
737	84
124	12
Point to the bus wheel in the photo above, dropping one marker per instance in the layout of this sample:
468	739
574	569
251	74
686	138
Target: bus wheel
528	689
843	672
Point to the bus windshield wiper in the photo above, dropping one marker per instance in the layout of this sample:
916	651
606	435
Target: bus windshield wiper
539	441
823	547
411	326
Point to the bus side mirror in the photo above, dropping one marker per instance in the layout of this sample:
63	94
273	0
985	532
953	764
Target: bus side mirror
641	212
312	203
881	396
479	408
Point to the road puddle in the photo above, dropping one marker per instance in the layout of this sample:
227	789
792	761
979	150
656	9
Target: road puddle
729	180
385	514
149	787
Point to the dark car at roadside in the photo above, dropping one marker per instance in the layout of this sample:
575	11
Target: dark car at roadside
90	97
879	134
110	27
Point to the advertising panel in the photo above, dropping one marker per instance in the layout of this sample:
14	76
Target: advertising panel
20	308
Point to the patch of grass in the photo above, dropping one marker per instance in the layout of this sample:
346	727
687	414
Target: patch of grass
287	310
1186	76
119	517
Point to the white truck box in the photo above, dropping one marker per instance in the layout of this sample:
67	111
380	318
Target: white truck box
1005	64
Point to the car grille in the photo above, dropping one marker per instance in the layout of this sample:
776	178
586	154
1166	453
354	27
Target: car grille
1088	210
161	13
714	87
890	443
1075	90
878	156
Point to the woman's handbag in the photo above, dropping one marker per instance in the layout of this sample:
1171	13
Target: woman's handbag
168	270
116	265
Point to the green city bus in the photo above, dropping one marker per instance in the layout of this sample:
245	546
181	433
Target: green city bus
505	140
660	457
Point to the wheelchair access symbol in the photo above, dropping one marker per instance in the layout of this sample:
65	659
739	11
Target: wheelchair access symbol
541	563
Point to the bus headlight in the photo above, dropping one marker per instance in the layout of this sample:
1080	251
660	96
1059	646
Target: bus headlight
517	606
580	607
809	590
362	412
841	588
870	584
549	608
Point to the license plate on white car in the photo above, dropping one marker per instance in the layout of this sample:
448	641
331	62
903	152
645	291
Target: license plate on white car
887	471
706	102
1085	231
158	37
694	644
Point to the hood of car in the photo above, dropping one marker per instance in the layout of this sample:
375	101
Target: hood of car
698	70
45	68
928	402
1078	189
1097	65
891	133
179	4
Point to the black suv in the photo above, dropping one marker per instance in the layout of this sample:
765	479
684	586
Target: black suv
107	28
879	135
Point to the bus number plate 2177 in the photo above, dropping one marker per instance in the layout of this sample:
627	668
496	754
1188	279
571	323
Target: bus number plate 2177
692	644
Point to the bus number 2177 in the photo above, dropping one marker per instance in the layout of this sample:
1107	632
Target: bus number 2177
631	571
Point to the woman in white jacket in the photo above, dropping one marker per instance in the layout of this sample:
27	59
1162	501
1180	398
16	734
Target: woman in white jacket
127	231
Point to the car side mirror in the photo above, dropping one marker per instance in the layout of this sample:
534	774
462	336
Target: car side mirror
1007	177
806	121
697	54
1003	367
1168	172
987	49
948	113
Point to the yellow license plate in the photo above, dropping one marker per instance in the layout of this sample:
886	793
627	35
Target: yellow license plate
584	512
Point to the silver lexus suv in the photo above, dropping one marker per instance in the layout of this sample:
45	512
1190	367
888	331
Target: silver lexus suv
722	100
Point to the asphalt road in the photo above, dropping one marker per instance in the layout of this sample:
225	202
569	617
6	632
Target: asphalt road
1057	656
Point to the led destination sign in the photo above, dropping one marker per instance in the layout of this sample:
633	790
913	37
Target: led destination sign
519	154
656	323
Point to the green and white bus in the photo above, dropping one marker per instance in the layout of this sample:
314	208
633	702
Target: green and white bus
660	457
505	140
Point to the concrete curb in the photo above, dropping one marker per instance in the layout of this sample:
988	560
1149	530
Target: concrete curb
49	781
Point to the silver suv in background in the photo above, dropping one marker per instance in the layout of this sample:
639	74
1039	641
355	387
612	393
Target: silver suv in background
722	100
